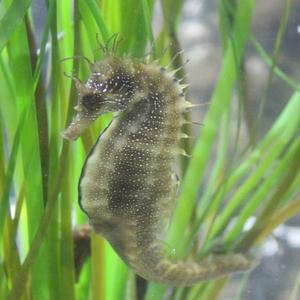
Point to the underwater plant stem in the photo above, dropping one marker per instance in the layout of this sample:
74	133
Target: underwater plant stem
214	290
296	289
22	277
20	282
147	18
287	212
271	206
41	111
246	102
278	41
98	267
279	72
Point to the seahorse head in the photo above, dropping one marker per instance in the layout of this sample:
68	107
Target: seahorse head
109	88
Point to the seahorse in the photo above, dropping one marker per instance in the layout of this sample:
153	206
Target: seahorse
128	185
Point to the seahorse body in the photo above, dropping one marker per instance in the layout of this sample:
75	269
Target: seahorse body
128	185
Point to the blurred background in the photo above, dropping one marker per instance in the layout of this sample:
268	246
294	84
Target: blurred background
198	33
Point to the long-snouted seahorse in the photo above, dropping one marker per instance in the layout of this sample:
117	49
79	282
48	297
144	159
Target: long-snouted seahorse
128	185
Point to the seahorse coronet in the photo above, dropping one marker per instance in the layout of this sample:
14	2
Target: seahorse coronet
128	185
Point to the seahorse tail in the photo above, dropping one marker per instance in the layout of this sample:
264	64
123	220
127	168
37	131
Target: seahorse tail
163	270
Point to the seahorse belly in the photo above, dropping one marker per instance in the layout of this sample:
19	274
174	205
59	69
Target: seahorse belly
127	180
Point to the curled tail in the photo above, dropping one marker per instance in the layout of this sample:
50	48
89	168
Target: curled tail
162	270
145	255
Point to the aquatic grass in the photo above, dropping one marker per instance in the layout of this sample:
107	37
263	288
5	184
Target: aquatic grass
202	150
296	288
276	52
148	23
280	73
11	18
39	171
8	175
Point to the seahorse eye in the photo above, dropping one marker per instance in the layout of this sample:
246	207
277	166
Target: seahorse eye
91	101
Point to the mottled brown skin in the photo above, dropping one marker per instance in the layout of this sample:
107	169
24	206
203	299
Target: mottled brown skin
128	185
